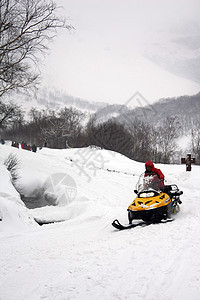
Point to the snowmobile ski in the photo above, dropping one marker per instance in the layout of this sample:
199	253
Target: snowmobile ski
119	226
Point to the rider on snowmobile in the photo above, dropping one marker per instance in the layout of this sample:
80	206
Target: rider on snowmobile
152	171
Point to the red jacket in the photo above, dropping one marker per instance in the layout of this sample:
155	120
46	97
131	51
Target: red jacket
155	171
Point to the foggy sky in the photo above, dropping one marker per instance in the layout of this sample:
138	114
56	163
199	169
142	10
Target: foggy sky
117	29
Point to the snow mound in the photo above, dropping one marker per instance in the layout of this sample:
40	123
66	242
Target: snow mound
13	213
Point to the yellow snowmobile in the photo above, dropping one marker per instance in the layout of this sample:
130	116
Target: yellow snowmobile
154	203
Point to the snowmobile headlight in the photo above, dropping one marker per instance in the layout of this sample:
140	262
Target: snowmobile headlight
167	200
147	194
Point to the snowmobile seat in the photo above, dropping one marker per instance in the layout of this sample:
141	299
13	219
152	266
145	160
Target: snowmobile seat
172	190
167	189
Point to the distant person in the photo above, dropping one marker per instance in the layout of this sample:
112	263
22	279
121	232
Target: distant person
34	148
2	141
28	147
15	144
25	146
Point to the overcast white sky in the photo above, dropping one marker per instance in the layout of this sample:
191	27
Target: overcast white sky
113	21
109	38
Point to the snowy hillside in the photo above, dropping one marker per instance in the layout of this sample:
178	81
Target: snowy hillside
84	257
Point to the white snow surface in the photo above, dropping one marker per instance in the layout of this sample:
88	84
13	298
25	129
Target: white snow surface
84	257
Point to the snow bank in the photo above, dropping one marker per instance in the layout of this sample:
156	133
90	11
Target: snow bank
13	213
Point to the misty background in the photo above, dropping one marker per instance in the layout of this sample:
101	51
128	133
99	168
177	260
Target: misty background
121	47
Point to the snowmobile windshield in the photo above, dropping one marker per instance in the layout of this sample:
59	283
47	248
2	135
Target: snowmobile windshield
148	183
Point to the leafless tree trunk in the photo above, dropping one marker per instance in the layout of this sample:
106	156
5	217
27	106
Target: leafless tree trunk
196	141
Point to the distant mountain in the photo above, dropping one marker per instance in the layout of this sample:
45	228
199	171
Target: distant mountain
54	100
186	108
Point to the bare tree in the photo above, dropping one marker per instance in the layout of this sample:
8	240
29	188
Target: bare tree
196	141
10	114
72	118
142	147
110	135
167	133
26	27
35	115
61	128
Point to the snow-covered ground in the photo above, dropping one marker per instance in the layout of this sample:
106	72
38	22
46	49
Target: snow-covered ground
84	257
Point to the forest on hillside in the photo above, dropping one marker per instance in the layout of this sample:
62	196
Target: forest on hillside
145	133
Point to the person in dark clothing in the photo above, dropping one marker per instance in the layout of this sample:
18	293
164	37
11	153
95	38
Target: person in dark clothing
45	143
34	148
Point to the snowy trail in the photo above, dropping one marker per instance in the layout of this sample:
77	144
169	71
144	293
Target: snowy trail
86	258
101	263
